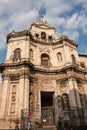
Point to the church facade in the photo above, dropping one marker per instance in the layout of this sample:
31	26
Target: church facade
44	76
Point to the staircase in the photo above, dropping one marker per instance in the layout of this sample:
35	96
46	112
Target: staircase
46	128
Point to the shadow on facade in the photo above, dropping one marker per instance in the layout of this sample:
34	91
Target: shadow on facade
71	110
68	111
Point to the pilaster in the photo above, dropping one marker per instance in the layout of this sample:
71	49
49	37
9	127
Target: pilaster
26	93
21	95
72	93
5	83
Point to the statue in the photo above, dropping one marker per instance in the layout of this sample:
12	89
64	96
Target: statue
31	102
65	102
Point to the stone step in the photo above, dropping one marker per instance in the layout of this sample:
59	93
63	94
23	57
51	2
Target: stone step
4	125
47	128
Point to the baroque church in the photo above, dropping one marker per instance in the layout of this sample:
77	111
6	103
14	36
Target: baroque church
43	76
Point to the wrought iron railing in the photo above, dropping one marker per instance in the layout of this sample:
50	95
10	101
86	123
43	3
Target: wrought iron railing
76	117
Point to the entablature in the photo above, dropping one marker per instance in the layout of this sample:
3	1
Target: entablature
35	69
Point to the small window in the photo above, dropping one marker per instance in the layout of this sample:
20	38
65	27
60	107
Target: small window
43	35
50	38
78	81
31	53
37	35
73	59
17	54
13	78
63	82
82	64
59	56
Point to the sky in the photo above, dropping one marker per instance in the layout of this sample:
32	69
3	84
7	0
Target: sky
69	17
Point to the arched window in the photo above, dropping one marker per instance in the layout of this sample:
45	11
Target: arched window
45	60
31	53
17	54
43	35
59	56
73	59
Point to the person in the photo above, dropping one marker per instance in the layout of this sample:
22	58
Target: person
17	127
29	121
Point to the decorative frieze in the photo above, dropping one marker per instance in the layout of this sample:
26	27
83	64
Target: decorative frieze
13	99
46	85
44	50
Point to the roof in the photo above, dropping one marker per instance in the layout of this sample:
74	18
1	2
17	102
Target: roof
17	34
83	55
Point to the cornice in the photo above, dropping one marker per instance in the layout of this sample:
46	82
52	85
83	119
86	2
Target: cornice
42	70
53	42
14	34
65	38
82	55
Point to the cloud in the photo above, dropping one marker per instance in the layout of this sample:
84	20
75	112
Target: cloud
68	17
21	21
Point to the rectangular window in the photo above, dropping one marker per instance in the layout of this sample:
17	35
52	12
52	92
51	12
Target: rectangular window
50	38
63	83
13	78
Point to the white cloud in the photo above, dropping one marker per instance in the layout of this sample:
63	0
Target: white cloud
21	21
74	35
62	14
72	21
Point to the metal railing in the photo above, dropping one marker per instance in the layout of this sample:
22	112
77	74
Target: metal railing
75	116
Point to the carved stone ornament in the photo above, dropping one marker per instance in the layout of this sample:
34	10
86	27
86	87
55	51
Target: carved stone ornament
46	81
46	84
13	98
44	50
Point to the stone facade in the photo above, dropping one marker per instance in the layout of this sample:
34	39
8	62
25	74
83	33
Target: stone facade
42	71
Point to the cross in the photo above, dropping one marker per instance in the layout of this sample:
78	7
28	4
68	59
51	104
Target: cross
42	17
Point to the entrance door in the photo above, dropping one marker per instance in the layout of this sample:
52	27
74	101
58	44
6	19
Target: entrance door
46	108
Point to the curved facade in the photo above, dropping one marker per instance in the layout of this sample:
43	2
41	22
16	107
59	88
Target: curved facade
44	75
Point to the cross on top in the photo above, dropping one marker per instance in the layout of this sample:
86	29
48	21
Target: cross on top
42	17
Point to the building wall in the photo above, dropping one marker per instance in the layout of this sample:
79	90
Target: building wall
24	78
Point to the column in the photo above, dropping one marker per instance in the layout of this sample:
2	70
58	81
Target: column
26	93
77	94
74	94
84	86
72	97
56	103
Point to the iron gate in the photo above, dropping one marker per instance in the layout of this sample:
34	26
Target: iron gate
47	116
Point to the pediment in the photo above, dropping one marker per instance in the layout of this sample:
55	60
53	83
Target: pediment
43	24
